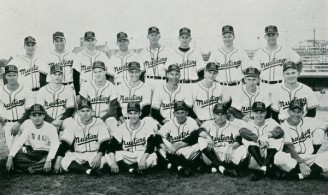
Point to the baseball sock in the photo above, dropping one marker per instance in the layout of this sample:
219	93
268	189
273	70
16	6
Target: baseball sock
74	166
316	170
256	154
210	154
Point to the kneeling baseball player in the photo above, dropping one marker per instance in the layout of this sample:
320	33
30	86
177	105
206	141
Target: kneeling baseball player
44	142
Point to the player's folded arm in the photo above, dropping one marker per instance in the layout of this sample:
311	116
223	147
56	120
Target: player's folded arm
236	113
114	145
289	148
269	113
156	114
110	77
145	111
151	144
193	137
103	146
76	81
277	132
248	135
68	113
275	114
43	79
63	148
238	139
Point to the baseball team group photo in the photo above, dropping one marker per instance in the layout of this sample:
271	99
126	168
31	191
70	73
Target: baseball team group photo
162	118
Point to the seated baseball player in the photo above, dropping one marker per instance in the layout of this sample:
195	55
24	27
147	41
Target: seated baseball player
102	94
134	90
44	142
263	139
89	137
132	147
303	139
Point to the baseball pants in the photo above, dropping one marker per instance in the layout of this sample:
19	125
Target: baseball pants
135	157
81	158
32	161
189	152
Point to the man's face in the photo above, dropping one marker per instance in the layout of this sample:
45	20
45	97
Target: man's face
184	40
173	77
181	115
259	116
30	48
291	75
251	81
220	118
134	116
153	38
12	77
59	44
57	77
99	74
90	43
228	39
134	75
271	38
296	114
37	118
85	114
210	75
123	45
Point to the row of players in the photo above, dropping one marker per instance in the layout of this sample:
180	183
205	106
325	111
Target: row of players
228	146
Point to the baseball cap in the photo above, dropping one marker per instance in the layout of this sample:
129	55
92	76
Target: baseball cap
297	103
220	108
37	108
122	36
271	29
134	106
11	68
180	105
29	39
252	72
211	66
89	35
227	29
184	30
98	64
133	66
258	106
56	68
288	65
84	103
58	35
173	67
153	29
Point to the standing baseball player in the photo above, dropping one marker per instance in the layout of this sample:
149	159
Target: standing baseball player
89	136
132	146
155	58
134	90
119	61
44	142
14	98
289	90
189	59
270	60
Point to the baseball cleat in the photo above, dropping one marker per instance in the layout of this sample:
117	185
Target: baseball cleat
230	172
95	173
258	175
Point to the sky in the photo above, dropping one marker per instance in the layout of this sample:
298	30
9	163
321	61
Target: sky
295	20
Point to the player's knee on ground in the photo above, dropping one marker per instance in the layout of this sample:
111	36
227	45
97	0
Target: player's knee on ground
277	144
284	161
111	124
239	154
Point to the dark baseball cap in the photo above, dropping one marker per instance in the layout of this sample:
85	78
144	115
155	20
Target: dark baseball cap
211	66
173	67
29	39
37	108
271	30
227	29
122	36
220	108
11	68
297	103
153	29
184	30
288	65
133	66
56	68
58	35
98	64
258	106
252	72
180	105
84	103
134	106
89	35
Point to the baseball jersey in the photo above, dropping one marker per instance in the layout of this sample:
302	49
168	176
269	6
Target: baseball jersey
230	64
270	63
86	138
140	93
14	103
203	99
135	139
163	99
301	136
282	96
99	97
28	70
268	126
155	60
175	132
45	138
83	63
57	101
65	60
190	63
119	64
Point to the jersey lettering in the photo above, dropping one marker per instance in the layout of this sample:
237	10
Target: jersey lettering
273	63
230	64
64	63
87	139
99	99
120	69
56	103
285	104
25	72
14	103
134	98
154	63
211	101
302	138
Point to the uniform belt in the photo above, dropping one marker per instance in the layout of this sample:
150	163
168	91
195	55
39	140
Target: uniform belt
10	121
68	83
271	82
35	89
230	84
156	77
188	81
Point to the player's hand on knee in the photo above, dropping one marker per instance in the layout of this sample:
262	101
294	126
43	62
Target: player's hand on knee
263	140
58	167
305	170
47	166
114	168
15	129
171	149
210	144
228	155
24	149
96	161
142	164
10	163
